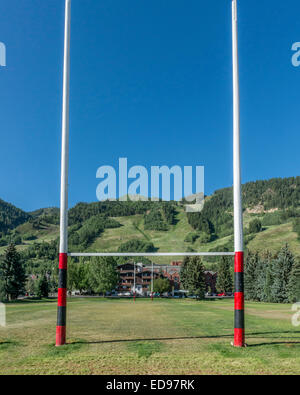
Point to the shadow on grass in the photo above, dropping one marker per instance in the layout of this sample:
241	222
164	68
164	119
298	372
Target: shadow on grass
5	344
257	334
31	300
248	335
154	339
273	344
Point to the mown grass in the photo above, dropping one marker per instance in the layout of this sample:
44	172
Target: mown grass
160	337
272	238
133	227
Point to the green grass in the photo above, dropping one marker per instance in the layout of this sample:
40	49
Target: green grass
274	237
160	337
133	227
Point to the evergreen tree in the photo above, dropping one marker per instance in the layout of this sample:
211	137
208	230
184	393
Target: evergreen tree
293	290
183	272
224	279
282	268
260	279
192	276
250	275
268	277
13	273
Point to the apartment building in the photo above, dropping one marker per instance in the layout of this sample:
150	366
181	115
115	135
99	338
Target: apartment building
137	277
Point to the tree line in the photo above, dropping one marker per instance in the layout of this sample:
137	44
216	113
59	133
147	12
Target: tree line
96	275
272	278
268	277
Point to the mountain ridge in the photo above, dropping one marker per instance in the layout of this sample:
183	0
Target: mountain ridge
108	226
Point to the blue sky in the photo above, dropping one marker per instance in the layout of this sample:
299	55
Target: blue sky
150	81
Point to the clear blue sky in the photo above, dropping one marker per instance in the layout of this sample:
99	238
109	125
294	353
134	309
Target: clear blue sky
151	81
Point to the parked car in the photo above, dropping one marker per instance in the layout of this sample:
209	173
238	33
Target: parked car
222	294
127	293
178	295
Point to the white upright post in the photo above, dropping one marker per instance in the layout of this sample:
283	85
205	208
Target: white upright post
239	327
63	248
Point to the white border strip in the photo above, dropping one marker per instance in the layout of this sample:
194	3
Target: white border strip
128	254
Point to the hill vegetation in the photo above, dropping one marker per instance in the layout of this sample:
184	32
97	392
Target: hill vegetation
11	217
271	219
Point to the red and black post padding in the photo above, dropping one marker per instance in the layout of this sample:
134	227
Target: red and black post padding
62	301
239	316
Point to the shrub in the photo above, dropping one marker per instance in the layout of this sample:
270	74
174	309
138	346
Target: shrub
137	245
191	237
205	238
29	236
255	226
161	285
154	221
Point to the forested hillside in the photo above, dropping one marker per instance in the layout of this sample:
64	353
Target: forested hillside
276	200
271	218
10	217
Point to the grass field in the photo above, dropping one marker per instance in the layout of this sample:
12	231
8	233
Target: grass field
160	337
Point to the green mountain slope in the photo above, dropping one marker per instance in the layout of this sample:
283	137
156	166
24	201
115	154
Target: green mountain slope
106	226
11	216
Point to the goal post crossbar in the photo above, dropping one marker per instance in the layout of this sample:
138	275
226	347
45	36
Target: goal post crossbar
145	254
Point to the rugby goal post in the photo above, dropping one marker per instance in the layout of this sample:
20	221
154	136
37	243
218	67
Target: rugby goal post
239	327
